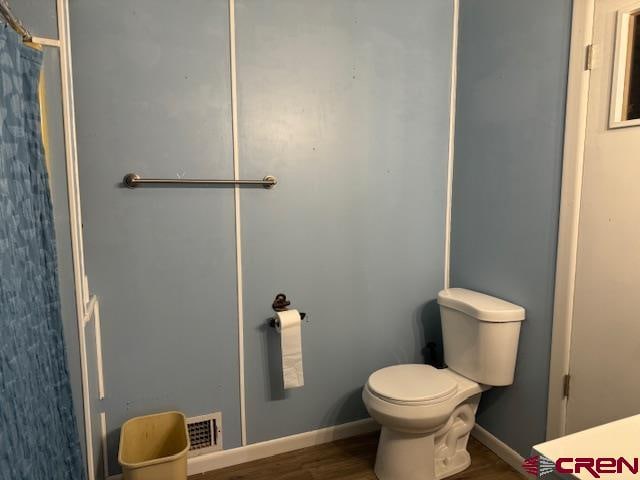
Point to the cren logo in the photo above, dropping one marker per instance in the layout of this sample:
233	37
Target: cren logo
538	466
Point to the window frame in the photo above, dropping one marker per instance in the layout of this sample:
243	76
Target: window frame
620	68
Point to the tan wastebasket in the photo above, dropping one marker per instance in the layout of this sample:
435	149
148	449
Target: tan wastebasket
154	447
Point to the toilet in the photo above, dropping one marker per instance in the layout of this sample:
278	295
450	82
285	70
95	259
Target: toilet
427	413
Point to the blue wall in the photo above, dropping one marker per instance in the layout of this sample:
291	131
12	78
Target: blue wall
512	73
153	96
347	103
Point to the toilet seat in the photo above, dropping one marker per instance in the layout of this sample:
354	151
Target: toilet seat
412	384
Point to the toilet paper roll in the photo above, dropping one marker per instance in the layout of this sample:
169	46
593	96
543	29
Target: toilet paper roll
288	325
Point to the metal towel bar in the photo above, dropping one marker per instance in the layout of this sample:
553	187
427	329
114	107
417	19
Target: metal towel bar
133	180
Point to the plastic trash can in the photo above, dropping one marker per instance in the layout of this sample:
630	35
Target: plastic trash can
154	447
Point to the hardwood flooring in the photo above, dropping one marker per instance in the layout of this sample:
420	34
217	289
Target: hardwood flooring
350	459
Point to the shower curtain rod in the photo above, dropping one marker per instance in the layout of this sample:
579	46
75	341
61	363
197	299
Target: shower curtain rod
14	22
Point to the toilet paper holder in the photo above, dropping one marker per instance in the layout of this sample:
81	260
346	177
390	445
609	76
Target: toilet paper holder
280	304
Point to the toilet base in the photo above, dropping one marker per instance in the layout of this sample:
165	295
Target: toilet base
461	461
413	457
405	456
431	456
451	440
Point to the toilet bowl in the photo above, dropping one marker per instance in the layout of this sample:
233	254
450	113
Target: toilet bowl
426	416
426	413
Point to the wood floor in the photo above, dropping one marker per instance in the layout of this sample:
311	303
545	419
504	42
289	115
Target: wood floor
350	459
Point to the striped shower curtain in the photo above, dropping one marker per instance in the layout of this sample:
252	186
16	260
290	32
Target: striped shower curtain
38	434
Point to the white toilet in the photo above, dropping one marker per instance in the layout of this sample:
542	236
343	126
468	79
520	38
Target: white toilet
426	414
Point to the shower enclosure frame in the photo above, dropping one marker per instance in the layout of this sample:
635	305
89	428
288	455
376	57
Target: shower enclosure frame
87	306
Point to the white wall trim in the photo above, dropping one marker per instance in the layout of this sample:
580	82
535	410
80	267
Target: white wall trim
98	339
92	313
497	446
86	398
105	446
452	133
238	225
90	309
573	157
75	214
257	451
71	150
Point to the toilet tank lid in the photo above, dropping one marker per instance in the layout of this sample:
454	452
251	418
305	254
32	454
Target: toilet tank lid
480	306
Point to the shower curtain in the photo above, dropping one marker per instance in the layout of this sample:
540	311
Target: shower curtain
38	434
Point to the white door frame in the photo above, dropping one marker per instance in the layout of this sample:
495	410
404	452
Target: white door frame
574	144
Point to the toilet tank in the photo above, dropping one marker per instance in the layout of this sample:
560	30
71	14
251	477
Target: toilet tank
480	335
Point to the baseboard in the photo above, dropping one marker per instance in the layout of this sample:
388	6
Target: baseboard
497	446
256	451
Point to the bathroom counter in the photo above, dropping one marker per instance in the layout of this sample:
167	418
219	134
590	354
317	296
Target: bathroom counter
611	440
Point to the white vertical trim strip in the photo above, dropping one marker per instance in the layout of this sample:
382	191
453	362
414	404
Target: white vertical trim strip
568	229
105	446
452	133
98	338
75	216
86	401
68	107
90	309
236	176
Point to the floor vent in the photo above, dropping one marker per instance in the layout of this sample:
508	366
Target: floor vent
205	434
